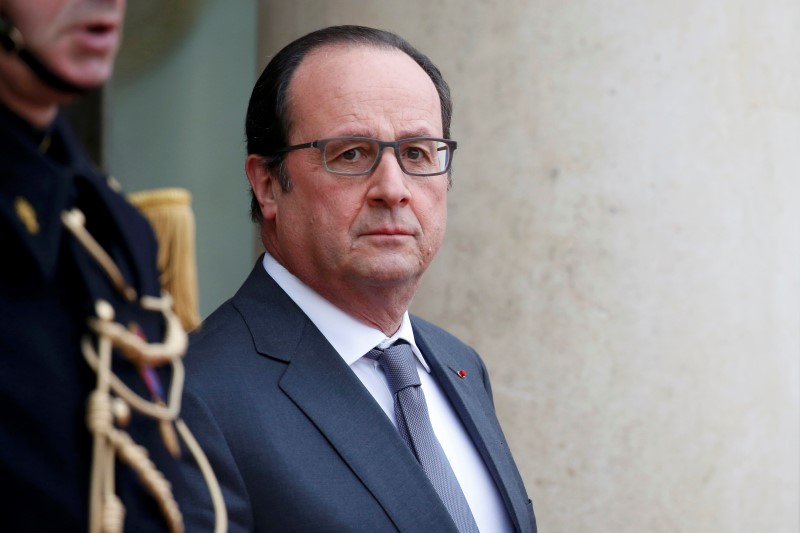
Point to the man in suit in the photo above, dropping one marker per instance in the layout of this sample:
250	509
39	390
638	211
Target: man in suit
294	388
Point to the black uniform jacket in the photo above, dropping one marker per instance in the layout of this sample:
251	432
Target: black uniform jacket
48	286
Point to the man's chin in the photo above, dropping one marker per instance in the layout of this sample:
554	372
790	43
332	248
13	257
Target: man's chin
387	273
89	81
89	74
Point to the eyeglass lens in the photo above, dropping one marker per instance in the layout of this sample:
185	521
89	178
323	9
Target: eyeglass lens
357	156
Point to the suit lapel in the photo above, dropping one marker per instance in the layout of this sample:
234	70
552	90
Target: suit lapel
333	398
321	384
470	399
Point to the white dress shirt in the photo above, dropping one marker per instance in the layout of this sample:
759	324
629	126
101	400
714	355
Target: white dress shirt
352	340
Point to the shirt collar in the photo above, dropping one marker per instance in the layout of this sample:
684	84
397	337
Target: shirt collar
349	337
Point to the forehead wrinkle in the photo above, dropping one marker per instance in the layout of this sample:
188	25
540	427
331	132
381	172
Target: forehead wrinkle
366	105
402	115
366	125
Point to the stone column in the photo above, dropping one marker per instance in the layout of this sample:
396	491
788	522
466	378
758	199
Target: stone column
623	246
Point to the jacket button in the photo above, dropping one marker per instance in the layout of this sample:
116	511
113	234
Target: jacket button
26	214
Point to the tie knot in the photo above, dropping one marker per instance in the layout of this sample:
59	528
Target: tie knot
398	363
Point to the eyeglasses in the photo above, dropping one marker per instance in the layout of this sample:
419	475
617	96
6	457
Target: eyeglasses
358	156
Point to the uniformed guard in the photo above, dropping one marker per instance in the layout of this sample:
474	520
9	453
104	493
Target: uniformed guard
90	350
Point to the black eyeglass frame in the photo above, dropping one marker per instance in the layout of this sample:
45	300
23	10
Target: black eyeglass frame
395	145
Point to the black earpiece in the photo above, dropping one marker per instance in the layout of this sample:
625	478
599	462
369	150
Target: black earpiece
12	42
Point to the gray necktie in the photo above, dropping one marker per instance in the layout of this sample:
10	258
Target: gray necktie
415	427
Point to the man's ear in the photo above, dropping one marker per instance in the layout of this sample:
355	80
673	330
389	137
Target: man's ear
263	183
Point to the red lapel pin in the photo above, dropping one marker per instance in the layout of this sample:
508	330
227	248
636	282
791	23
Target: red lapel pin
462	373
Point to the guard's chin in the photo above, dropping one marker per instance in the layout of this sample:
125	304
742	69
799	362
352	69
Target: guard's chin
86	71
89	77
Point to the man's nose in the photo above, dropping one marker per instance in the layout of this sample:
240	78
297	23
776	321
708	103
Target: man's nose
388	183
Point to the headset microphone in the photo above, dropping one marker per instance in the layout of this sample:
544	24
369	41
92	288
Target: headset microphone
11	40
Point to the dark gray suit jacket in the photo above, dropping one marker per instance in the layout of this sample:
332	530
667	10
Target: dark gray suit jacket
298	443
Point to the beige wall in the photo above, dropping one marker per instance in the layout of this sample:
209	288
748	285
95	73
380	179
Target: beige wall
624	245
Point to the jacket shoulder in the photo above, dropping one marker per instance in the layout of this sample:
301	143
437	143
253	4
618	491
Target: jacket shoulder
432	333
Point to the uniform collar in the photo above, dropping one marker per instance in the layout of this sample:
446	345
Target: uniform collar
37	185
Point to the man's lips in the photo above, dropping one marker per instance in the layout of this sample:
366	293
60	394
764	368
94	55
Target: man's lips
98	35
388	232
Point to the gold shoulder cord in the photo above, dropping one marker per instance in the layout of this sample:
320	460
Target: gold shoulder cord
111	401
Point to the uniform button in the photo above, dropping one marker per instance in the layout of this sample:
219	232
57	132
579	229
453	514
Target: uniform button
113	184
26	214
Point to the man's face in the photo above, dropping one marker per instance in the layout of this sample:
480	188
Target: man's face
78	39
345	234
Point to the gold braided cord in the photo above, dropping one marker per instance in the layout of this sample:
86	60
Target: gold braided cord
111	401
158	411
139	351
220	512
102	481
110	516
75	221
